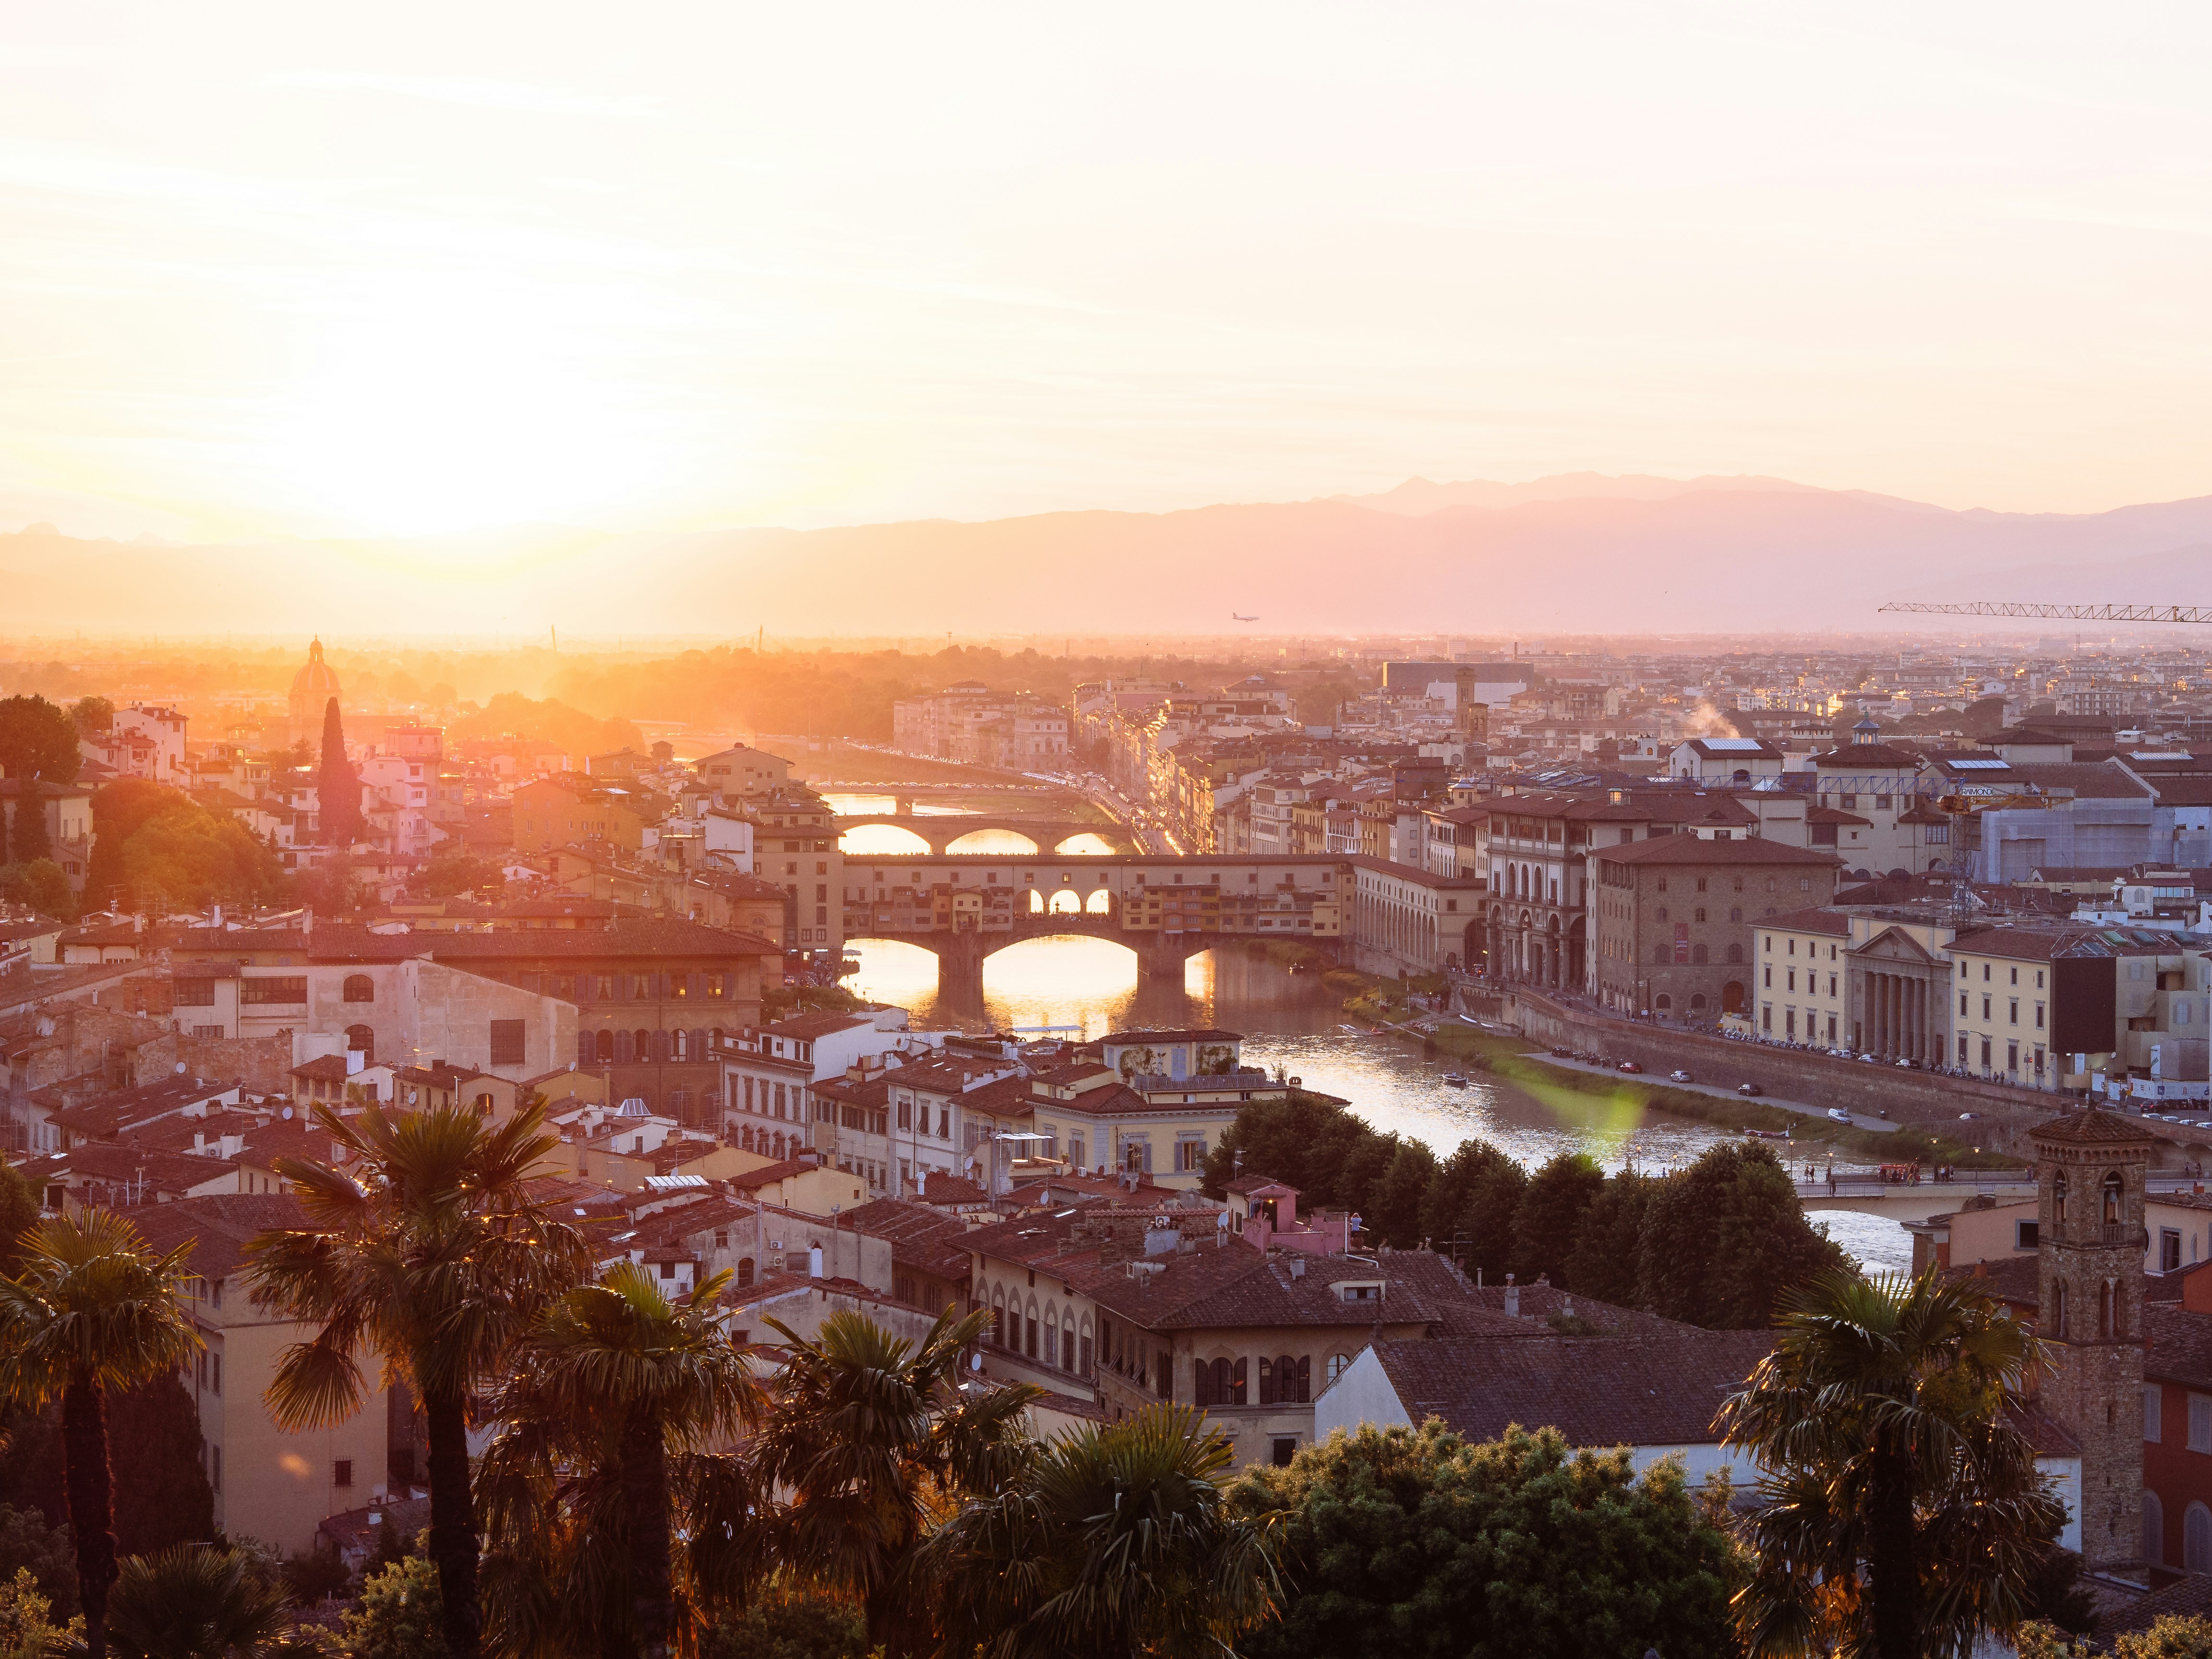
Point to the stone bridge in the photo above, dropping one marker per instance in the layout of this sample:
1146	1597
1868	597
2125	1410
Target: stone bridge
940	830
961	951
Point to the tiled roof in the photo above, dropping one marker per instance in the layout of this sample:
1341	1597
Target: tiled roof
222	1224
2189	1597
768	1175
334	942
926	1239
2090	1127
1696	849
2177	1345
1648	1389
2013	1278
809	1026
1817	919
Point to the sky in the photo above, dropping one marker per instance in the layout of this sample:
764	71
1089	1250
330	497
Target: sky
283	269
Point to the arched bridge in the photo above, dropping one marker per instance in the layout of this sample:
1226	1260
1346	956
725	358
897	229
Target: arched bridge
940	830
961	951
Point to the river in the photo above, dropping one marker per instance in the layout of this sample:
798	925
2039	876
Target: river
1084	987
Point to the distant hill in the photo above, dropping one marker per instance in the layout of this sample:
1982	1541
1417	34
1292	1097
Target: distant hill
1579	553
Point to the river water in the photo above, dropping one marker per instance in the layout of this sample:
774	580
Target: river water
1084	987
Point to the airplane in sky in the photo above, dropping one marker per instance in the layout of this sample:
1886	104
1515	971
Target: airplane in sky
1233	617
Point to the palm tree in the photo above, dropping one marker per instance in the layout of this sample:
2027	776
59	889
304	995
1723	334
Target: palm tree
865	1434
435	1260
613	1378
1110	1543
1903	1511
92	1310
189	1603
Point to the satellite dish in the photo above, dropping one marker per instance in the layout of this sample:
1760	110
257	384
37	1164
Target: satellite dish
288	1113
974	1362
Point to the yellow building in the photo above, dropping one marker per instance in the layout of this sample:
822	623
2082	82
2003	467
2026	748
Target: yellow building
1803	988
269	1483
2001	1008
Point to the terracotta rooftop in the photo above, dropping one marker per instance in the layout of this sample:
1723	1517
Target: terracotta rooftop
2090	1128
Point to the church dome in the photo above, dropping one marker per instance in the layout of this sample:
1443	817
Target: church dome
318	679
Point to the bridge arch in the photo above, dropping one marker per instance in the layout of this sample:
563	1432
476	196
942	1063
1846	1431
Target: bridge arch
956	845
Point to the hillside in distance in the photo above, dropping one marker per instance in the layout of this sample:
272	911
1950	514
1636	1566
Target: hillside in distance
1702	555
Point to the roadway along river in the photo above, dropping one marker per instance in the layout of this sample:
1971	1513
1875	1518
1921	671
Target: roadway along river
1089	987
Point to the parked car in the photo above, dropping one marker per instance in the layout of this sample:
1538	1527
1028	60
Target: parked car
1837	1114
1678	1075
1562	1052
1749	1089
1968	1117
1628	1066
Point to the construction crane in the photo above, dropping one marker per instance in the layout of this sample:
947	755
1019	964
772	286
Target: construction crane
2149	613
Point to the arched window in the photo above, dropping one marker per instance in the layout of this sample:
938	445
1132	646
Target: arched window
2153	1542
482	1104
683	1045
1337	1364
1052	1334
2058	1192
607	1048
362	1041
1661	955
625	1048
1266	1381
2112	1199
745	1271
998	1314
359	988
640	1045
586	1047
1698	956
1663	1002
1293	1380
660	1047
2197	1539
1735	953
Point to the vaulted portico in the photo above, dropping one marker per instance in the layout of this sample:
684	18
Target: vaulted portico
1898	992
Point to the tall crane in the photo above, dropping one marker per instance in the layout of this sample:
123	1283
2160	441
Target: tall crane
2149	613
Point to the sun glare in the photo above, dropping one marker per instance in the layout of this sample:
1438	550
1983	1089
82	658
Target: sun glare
438	411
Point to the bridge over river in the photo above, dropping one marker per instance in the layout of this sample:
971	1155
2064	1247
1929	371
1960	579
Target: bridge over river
941	831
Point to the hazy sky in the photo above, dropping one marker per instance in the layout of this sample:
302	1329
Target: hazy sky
414	267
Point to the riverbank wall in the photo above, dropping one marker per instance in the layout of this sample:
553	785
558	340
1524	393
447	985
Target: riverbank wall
1921	1099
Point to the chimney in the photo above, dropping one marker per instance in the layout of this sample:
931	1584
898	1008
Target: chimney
1298	1266
1512	1298
814	1262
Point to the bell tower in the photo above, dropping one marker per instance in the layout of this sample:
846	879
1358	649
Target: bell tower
2090	1171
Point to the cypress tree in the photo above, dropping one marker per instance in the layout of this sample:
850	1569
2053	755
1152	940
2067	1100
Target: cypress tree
27	839
337	787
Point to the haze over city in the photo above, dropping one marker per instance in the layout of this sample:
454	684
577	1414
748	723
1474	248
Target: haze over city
986	832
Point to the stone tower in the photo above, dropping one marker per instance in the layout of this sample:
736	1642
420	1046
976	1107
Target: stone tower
2090	1169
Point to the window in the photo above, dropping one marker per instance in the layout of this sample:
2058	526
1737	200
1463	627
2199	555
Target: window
2112	1201
507	1043
2169	1249
2026	1235
342	1472
2153	1521
359	988
273	989
2153	1402
195	994
2057	1195
1337	1364
2197	1539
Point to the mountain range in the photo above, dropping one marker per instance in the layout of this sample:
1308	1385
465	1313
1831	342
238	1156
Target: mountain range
1580	553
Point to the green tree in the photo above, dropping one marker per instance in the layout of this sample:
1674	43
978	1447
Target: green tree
92	716
1416	1544
337	786
1487	1217
1724	1239
153	1431
1904	1514
91	1311
27	1626
1602	1261
864	1431
787	1620
19	1213
1444	1205
1549	1216
614	1379
151	842
41	886
434	1259
36	740
187	1603
1107	1542
1393	1212
28	1539
401	1614
28	842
